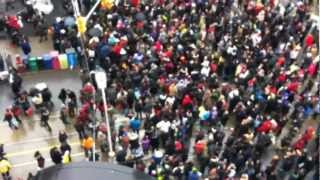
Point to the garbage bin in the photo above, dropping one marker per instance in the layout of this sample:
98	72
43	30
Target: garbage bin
40	63
47	62
55	60
72	58
32	64
63	60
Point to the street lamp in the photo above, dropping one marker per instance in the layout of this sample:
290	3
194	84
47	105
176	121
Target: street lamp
101	80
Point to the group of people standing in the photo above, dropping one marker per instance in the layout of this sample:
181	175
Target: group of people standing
207	88
188	69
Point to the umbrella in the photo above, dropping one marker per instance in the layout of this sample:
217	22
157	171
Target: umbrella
140	17
69	21
95	32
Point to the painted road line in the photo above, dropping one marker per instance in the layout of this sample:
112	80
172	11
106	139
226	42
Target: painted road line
7	144
14	154
47	159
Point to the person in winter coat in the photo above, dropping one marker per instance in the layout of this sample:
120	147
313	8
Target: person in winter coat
5	168
80	128
2	153
65	147
304	139
40	160
135	124
71	103
66	159
9	117
63	137
194	174
63	95
15	81
42	31
16	112
26	47
45	113
56	155
87	144
145	143
64	114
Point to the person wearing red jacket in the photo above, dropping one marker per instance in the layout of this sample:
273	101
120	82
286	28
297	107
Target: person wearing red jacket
135	3
265	127
13	22
305	139
293	87
312	69
309	40
187	100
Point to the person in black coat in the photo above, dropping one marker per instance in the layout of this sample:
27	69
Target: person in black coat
55	155
40	160
15	81
62	136
65	147
63	95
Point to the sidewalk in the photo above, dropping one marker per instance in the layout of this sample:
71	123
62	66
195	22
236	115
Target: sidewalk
38	49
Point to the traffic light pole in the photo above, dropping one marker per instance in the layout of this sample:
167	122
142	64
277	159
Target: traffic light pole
85	67
82	23
93	9
77	14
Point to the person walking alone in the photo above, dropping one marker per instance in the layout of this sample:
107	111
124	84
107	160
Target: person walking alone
45	113
5	167
56	155
40	160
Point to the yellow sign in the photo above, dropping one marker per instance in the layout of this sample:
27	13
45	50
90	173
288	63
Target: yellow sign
82	24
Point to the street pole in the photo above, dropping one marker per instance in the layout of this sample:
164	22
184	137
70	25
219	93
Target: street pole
102	82
111	152
82	38
92	9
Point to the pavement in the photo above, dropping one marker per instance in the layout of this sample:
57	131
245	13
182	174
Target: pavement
50	18
22	143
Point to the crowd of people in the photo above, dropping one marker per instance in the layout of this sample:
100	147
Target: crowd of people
208	88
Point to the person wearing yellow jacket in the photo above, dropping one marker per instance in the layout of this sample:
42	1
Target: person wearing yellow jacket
66	159
5	167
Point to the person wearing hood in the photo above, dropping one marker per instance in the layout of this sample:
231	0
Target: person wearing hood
56	155
40	160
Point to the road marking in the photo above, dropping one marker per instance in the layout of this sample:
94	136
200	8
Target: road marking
37	139
47	159
38	149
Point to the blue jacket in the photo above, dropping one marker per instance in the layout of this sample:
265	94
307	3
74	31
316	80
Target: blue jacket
135	124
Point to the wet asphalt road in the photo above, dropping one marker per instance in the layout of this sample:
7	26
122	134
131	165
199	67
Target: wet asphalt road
21	144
